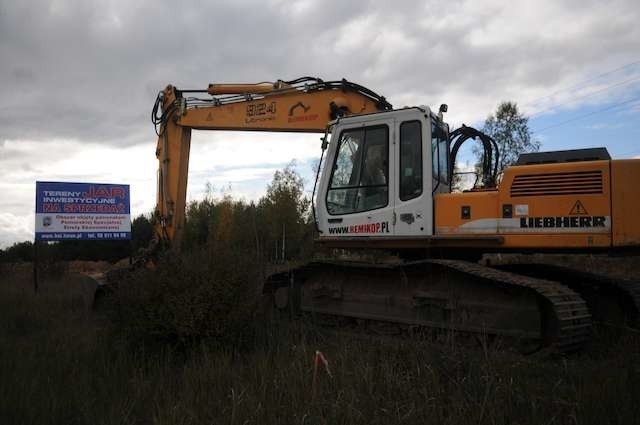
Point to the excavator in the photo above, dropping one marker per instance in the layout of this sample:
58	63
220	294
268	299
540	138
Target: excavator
385	183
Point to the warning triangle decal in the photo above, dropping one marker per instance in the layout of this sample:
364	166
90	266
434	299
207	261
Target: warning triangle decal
578	209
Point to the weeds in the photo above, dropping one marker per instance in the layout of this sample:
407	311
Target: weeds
188	298
60	364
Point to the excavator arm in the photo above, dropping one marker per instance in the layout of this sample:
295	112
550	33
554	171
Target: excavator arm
302	105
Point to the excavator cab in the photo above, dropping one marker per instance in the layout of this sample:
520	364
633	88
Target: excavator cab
380	174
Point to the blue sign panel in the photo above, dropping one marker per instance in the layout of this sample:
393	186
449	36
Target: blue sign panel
82	211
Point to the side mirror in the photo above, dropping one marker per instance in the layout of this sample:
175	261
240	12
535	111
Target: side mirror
442	110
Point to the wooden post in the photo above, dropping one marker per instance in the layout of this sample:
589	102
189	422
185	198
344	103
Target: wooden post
283	241
35	265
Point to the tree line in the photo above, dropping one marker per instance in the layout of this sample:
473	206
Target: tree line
141	234
277	227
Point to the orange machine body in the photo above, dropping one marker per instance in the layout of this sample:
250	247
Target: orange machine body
580	205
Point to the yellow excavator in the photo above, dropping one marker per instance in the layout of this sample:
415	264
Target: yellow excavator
385	183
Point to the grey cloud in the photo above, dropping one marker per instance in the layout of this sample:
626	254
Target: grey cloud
90	73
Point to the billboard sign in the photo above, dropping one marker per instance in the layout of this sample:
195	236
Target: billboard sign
82	211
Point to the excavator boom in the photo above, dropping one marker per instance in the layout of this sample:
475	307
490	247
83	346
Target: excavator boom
302	105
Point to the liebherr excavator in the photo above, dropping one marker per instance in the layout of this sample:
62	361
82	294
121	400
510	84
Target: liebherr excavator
386	184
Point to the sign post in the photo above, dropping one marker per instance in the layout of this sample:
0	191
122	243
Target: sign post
35	266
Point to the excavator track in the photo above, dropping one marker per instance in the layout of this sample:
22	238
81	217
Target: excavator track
568	312
594	288
441	294
631	289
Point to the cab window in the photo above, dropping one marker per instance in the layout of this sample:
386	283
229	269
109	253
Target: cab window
410	160
359	180
439	154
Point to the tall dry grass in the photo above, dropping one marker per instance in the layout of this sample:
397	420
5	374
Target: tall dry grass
60	363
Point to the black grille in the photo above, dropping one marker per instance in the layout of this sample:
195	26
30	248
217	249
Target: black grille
579	183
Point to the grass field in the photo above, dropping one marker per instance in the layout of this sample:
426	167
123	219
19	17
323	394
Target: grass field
61	363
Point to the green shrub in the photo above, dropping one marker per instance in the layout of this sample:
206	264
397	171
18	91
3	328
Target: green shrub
189	297
210	290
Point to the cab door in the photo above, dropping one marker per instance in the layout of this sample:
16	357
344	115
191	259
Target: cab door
358	197
413	176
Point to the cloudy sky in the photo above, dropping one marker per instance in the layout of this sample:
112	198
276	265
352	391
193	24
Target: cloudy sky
79	78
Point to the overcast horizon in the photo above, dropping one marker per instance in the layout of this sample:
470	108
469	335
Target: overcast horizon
80	78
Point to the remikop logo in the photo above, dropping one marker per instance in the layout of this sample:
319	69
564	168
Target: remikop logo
298	105
299	113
